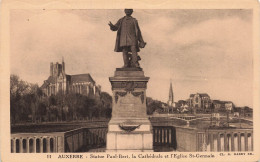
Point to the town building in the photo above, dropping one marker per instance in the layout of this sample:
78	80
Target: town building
59	81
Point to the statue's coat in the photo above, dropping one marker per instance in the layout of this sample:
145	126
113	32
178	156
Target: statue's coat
117	27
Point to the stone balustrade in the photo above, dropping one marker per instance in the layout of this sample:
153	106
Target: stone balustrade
183	139
226	140
75	140
186	139
164	135
37	142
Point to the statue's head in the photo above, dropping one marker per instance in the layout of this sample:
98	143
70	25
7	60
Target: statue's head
128	12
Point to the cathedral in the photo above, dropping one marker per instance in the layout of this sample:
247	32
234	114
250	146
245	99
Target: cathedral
59	81
200	102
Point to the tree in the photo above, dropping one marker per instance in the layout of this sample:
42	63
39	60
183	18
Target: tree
153	105
106	104
38	106
71	101
18	89
25	100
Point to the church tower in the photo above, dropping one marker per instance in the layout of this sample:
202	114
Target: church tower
170	100
63	66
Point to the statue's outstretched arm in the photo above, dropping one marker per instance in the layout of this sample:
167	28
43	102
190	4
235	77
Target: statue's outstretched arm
114	27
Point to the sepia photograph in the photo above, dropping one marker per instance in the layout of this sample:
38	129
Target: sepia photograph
123	80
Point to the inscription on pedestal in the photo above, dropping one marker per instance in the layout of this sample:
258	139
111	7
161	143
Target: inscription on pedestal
129	105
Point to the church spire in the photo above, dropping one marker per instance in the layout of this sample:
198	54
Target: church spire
170	100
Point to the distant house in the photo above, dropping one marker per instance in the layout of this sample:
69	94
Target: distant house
236	114
182	103
216	116
244	111
200	102
217	104
59	81
222	106
228	105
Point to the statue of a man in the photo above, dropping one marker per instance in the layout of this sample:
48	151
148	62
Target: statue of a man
128	39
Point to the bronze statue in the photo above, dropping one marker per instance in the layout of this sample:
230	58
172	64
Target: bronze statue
128	39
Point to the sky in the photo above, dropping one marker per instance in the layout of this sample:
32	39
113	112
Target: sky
199	51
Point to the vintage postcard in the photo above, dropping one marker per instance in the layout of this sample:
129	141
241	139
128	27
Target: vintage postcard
129	81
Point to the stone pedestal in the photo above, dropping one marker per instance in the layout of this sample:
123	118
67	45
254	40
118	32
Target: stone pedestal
129	128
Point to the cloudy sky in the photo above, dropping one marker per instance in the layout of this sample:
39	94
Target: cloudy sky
204	51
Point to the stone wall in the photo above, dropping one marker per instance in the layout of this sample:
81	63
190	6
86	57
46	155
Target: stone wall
186	139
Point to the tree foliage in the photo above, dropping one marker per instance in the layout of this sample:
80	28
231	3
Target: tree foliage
28	103
25	100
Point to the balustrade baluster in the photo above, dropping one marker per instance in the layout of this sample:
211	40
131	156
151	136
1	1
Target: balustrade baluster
55	144
218	141
252	143
211	142
225	142
102	136
78	142
154	135
170	136
163	135
167	135
91	138
246	141
105	138
28	145
160	135
232	142
41	145
14	145
72	142
97	137
34	145
84	138
48	144
239	141
20	145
